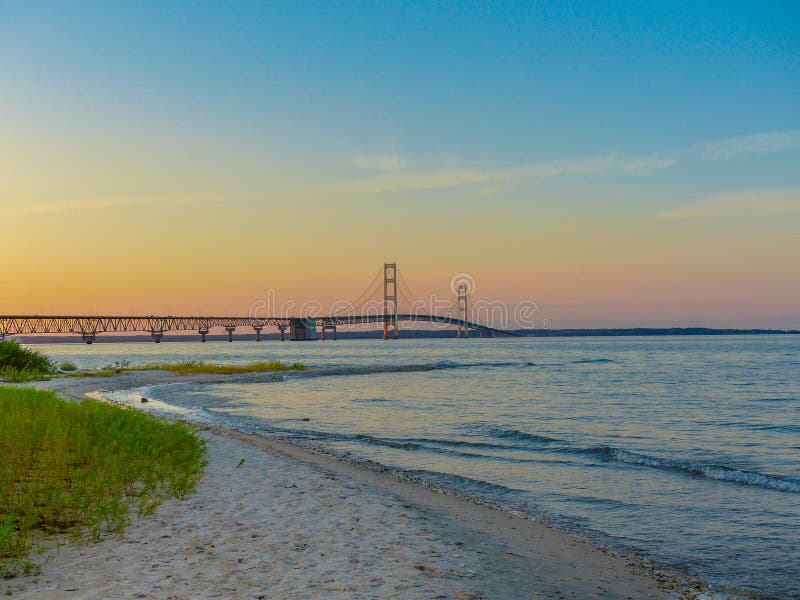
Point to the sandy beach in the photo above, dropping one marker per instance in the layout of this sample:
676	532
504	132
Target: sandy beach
273	520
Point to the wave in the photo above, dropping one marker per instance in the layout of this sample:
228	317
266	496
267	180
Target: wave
438	446
587	361
582	361
612	453
460	443
409	368
511	434
717	472
372	400
783	428
439	365
790	399
458	482
446	364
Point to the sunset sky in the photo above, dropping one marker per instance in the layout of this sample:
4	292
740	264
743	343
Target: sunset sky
631	165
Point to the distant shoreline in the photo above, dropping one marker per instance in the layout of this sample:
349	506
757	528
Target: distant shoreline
421	334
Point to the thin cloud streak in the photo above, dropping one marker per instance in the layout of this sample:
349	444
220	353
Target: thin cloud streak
739	205
459	177
721	150
751	145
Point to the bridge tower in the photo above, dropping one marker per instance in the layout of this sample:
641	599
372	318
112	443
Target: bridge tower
389	299
462	307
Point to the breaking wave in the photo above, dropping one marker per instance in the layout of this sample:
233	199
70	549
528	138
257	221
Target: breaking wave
613	454
697	468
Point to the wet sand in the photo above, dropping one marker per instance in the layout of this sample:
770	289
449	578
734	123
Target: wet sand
292	523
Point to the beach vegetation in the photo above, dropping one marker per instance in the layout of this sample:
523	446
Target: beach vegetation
19	363
83	468
188	367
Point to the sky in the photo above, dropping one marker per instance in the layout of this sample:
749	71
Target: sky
610	163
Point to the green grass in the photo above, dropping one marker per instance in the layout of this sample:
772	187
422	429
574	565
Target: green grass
18	363
81	468
190	367
185	367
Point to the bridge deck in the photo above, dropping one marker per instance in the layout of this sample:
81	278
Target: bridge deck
88	325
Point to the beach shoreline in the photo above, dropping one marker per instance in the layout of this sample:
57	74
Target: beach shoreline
461	549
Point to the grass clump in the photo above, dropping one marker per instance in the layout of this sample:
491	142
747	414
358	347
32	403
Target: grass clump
80	468
18	363
187	367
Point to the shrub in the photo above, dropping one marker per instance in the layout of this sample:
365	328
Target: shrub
18	363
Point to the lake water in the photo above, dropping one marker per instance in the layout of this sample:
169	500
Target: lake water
687	448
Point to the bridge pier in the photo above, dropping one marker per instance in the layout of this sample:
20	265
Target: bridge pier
157	335
302	330
283	332
203	333
230	331
258	333
328	327
88	337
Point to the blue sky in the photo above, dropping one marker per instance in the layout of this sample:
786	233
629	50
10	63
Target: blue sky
429	79
642	117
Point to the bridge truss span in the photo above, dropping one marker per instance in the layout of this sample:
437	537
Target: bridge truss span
89	327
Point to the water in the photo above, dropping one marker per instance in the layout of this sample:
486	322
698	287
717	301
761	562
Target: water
686	448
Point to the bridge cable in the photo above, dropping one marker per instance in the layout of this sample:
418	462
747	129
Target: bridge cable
410	292
361	295
375	289
408	287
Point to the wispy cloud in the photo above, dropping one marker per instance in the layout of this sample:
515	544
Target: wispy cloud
412	181
582	166
610	163
105	202
745	204
380	162
748	145
446	178
648	163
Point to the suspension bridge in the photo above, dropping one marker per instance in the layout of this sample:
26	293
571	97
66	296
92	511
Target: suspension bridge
367	308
